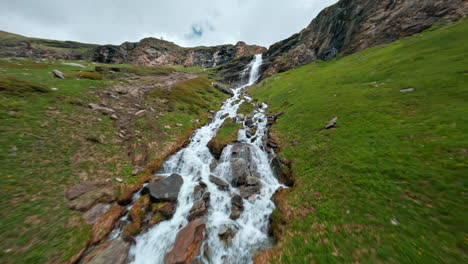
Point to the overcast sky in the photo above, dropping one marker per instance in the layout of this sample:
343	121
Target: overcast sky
185	22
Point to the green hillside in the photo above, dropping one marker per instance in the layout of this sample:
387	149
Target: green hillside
389	183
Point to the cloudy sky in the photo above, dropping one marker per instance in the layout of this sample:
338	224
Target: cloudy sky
185	22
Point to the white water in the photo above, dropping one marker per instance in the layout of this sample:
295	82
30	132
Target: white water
194	161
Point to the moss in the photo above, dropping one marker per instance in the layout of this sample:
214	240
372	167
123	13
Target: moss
227	133
89	75
246	108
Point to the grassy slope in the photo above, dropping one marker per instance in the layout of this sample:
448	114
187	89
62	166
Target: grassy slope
44	148
393	155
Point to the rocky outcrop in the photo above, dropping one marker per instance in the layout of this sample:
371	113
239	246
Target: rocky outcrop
165	190
147	52
244	175
353	25
156	52
187	244
115	252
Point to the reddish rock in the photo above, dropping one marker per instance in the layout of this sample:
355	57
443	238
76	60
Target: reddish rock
105	223
187	244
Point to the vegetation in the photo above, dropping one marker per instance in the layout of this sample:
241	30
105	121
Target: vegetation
51	140
227	133
389	183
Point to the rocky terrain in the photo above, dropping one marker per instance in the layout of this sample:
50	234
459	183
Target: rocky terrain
147	52
353	25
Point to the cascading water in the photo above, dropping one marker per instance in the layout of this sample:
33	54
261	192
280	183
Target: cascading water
192	163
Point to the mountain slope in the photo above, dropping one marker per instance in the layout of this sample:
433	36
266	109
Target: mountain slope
353	25
388	184
147	52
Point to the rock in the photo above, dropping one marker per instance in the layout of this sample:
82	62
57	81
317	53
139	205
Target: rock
240	117
95	212
222	185
237	207
331	123
350	26
241	164
105	224
248	191
226	233
54	89
79	189
115	253
223	88
119	179
137	170
187	244
87	200
140	113
74	64
58	74
198	210
102	109
165	190
282	170
249	121
407	90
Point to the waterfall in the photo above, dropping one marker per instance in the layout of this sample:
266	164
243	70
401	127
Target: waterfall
192	163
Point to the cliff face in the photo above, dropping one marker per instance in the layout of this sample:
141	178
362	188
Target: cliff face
353	25
147	52
155	52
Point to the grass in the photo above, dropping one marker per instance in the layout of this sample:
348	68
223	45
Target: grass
50	140
389	184
227	133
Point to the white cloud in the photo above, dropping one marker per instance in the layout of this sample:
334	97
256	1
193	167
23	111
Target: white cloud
186	22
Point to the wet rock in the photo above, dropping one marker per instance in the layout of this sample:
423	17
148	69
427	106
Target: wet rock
226	233
105	224
240	117
248	191
167	210
95	212
58	74
222	185
115	253
165	190
198	210
187	244
241	164
282	170
237	207
102	109
249	121
331	123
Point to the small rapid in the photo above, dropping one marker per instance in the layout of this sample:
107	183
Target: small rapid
194	163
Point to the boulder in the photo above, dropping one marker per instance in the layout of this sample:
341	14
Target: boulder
79	189
282	170
102	109
58	74
87	200
165	190
198	210
226	233
95	212
222	185
115	253
187	244
237	206
248	191
331	123
105	224
241	164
